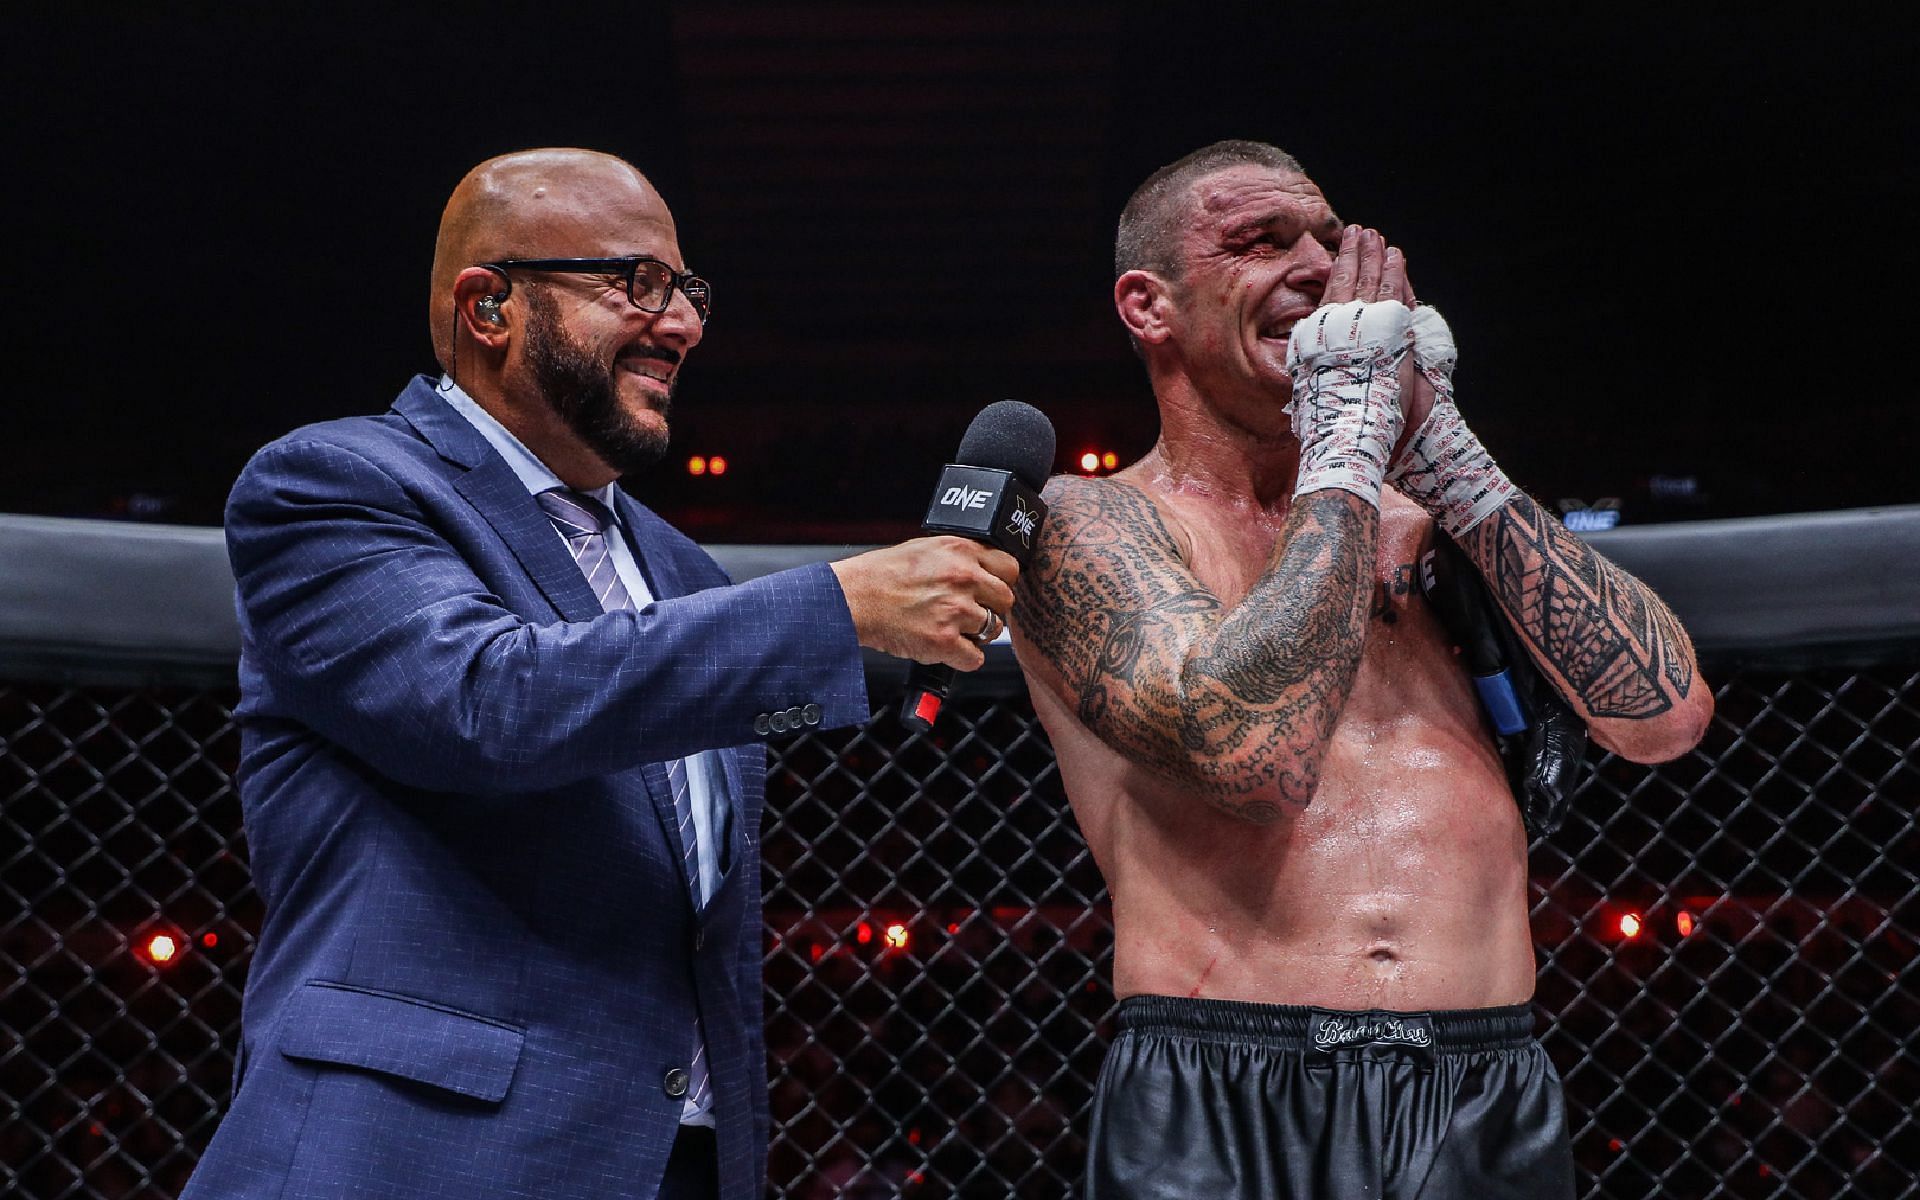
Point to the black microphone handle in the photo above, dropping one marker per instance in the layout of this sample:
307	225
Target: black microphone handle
927	688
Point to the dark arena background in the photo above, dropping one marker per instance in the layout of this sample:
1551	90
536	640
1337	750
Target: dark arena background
1675	247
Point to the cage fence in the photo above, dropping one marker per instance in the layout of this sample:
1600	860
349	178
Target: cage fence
1726	944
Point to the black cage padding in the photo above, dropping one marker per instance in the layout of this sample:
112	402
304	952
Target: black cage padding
938	943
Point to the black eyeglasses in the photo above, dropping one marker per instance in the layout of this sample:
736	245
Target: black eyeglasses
650	282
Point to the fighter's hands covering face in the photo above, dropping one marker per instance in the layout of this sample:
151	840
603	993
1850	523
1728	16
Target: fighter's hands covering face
1435	460
1362	270
1352	369
1368	269
1416	394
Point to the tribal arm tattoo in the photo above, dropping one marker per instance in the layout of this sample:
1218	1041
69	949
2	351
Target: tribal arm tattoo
1610	646
1237	703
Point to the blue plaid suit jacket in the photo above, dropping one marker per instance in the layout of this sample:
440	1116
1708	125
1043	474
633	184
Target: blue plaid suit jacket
480	959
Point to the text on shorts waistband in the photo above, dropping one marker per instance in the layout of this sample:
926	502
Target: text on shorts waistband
1298	1027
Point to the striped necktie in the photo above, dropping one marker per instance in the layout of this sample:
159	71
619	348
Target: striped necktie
699	1083
583	522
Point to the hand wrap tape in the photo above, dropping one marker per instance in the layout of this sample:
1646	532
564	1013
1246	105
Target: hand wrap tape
1344	360
1444	468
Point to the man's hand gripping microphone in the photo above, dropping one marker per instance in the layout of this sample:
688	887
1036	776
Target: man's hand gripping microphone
991	494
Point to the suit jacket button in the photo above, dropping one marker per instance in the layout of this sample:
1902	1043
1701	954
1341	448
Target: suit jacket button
761	725
793	717
675	1083
811	714
778	721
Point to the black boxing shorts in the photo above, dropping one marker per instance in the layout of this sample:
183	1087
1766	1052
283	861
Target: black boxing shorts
1220	1100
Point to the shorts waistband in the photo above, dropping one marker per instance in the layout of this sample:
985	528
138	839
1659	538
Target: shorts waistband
1287	1026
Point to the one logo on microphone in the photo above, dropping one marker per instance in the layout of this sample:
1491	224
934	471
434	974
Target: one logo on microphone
965	498
1022	522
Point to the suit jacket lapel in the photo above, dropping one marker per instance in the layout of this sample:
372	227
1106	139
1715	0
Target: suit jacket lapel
497	494
662	576
735	798
494	490
666	581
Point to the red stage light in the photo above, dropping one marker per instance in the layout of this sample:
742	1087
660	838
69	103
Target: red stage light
162	948
1089	461
896	936
1109	460
863	934
209	939
1630	925
1684	923
697	465
717	465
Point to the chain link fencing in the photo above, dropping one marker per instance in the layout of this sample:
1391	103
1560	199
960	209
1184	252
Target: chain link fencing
1726	946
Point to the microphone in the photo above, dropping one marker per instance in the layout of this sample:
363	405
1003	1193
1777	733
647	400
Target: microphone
992	495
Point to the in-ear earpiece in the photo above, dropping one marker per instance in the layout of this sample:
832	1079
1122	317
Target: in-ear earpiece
488	308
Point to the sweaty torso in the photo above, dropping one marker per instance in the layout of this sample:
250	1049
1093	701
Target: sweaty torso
1402	885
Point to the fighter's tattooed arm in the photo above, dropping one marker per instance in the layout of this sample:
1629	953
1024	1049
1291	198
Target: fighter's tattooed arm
1608	643
1237	703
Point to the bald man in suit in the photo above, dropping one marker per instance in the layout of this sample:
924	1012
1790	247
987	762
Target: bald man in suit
503	741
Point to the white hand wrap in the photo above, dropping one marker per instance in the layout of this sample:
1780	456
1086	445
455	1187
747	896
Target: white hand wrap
1346	394
1444	468
1433	349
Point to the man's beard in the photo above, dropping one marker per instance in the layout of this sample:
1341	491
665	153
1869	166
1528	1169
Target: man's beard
583	394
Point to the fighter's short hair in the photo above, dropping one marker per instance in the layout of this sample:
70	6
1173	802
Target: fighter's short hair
1146	240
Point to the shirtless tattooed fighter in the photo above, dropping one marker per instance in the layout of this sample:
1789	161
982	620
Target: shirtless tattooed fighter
1317	867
